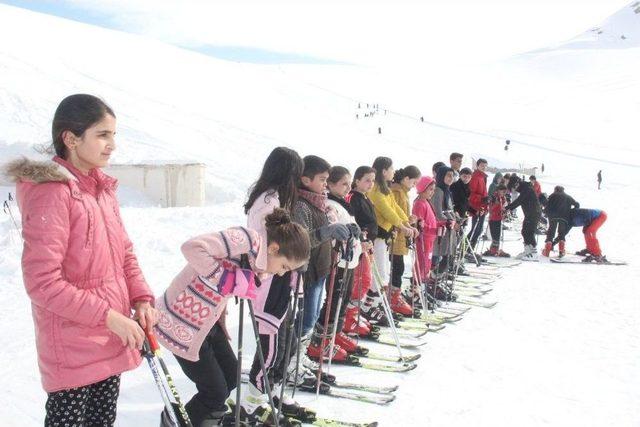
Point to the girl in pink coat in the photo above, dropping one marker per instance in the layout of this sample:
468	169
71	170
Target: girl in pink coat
79	268
426	216
221	265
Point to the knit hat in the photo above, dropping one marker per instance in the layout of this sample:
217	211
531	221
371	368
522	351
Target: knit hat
423	183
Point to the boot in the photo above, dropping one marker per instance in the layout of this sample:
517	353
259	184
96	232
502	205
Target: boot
561	250
351	325
503	254
398	304
492	251
350	345
320	346
292	409
583	252
547	249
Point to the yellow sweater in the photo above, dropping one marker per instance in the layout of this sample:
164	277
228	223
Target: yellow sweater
388	213
402	199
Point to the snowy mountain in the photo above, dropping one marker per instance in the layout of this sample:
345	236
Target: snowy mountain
561	346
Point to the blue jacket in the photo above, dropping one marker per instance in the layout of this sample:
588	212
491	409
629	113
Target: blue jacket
584	217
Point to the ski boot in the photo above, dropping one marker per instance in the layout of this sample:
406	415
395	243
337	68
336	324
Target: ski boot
398	304
492	251
350	345
213	419
375	314
261	416
595	259
561	249
352	326
292	409
503	254
529	254
583	252
320	348
548	246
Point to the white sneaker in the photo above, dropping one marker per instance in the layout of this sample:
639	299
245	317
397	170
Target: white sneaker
527	250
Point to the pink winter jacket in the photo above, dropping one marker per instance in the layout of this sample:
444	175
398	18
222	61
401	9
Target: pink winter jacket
191	306
77	263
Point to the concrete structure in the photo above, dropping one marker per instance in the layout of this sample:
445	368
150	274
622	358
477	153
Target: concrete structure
169	185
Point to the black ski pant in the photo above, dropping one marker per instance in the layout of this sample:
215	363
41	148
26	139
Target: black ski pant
495	227
91	405
214	375
558	224
529	226
397	270
477	227
343	286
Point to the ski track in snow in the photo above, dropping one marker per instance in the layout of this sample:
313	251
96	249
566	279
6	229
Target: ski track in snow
560	348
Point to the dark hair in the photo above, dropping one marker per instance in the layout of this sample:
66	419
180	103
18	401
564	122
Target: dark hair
501	187
454	156
558	189
361	172
466	171
76	113
280	174
514	181
410	172
481	161
336	173
507	176
314	165
380	164
532	178
436	166
291	237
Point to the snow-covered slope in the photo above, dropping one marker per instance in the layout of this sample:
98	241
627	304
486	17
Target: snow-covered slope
561	346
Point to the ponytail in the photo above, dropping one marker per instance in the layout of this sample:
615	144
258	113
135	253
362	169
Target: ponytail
291	237
410	172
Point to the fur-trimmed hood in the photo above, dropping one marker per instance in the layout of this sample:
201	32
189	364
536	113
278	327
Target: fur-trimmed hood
27	170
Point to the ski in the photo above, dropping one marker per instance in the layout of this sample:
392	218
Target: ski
329	422
344	394
573	261
409	333
468	279
418	326
476	302
404	342
388	358
469	292
364	387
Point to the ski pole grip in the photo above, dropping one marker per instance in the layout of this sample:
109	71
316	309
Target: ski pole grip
153	342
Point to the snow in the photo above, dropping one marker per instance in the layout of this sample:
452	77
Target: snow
561	346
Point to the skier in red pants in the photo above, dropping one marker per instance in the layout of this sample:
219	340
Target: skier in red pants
591	220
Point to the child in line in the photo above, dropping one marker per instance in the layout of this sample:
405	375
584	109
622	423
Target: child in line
319	219
365	215
79	268
443	207
276	187
404	179
339	183
428	226
496	212
221	265
390	217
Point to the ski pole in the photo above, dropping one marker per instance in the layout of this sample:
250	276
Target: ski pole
267	386
299	325
332	279
7	209
239	367
345	280
386	307
152	354
289	340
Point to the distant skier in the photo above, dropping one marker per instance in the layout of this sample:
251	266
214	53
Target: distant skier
542	168
599	178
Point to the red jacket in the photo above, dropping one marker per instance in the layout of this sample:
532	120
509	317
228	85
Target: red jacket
478	189
496	207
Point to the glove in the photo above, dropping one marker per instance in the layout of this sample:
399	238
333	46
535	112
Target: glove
450	224
354	229
334	231
485	200
237	282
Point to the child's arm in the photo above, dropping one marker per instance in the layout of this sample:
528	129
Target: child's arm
205	251
46	230
390	211
317	236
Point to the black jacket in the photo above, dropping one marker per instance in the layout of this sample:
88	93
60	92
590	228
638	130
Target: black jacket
559	206
460	193
528	200
362	209
312	218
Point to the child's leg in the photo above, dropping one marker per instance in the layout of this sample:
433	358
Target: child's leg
343	308
496	231
214	375
67	407
102	402
381	259
312	301
333	297
398	271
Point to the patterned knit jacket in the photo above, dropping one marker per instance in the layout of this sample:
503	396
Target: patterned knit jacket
192	305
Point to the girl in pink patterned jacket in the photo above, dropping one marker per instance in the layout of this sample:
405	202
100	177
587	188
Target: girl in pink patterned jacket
221	265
